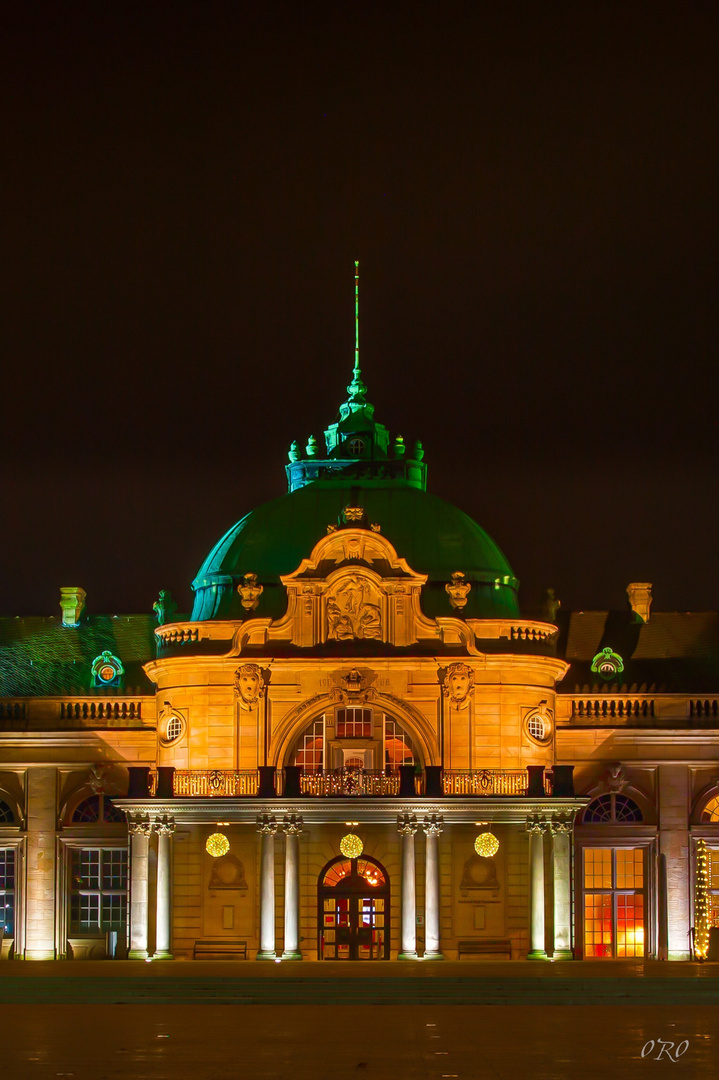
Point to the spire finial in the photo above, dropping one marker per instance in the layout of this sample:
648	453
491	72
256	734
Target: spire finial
357	367
357	388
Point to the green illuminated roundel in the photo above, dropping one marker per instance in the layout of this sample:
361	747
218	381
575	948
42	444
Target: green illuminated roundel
106	669
607	664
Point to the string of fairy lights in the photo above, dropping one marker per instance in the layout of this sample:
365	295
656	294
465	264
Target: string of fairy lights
702	916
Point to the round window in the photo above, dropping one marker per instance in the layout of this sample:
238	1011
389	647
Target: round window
174	727
107	673
538	724
535	727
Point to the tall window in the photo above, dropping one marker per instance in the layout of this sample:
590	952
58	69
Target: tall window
397	746
98	893
310	753
613	902
7	890
354	723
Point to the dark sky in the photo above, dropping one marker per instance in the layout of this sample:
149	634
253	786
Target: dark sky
531	190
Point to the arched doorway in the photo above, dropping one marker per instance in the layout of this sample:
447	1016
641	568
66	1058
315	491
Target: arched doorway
353	910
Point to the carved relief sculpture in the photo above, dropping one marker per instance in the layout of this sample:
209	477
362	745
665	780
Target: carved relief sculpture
353	611
458	683
250	592
249	685
458	590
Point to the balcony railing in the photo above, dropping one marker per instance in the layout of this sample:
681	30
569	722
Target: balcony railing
489	782
343	782
207	783
349	783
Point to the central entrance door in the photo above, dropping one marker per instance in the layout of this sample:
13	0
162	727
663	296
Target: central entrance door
353	910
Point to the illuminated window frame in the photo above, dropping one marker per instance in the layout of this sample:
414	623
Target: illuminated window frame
394	737
97	897
353	723
618	895
96	810
8	872
310	754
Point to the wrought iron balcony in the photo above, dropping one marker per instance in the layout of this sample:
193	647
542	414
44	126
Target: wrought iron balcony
352	783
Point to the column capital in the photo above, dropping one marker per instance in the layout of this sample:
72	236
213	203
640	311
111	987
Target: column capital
560	824
139	825
536	824
165	825
433	825
292	824
267	824
407	824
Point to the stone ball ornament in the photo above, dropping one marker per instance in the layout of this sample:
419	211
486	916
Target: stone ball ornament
486	845
217	845
351	846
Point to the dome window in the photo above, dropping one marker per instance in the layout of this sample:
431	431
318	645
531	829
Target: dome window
107	670
356	447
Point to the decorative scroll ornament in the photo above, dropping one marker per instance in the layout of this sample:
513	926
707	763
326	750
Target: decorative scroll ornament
351	846
353	681
267	824
165	825
353	610
139	826
432	825
292	824
249	685
217	845
536	824
406	824
250	592
458	590
458	683
486	845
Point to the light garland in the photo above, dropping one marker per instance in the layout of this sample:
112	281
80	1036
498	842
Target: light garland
701	902
217	845
486	845
351	846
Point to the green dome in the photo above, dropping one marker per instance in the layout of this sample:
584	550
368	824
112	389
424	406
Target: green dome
432	535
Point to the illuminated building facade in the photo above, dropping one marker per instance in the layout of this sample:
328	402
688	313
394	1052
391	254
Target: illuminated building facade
355	747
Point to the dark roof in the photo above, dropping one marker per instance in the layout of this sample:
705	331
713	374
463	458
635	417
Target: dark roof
41	657
675	652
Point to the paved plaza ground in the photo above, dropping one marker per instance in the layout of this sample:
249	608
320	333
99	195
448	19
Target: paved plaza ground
190	1021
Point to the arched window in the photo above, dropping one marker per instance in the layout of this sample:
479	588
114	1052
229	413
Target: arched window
612	809
96	809
6	815
356	447
711	810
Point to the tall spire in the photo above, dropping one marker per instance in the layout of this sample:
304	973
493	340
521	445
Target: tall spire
357	388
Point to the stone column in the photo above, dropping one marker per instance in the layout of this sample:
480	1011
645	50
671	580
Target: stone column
561	827
674	798
139	829
407	827
536	827
41	826
292	827
164	827
432	828
267	827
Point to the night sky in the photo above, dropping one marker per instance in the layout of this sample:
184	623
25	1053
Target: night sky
531	190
